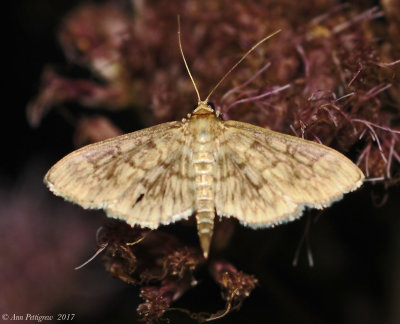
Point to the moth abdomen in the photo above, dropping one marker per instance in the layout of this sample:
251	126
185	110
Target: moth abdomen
203	165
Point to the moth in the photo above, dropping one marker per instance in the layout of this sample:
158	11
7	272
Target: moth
207	167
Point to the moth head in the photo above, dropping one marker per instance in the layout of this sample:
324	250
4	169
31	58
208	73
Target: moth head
217	113
204	107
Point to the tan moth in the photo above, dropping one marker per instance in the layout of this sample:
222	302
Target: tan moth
204	166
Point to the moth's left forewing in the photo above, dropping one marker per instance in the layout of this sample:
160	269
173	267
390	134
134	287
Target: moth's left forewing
143	177
289	172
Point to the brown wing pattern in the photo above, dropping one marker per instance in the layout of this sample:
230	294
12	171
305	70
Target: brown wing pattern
265	178
144	178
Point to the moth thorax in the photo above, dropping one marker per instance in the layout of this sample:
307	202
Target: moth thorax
203	164
203	136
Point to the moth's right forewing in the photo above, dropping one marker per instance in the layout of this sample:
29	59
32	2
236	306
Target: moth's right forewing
275	175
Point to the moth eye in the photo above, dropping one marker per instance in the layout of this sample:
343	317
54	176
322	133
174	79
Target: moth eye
210	104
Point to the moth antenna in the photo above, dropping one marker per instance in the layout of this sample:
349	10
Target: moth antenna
240	61
184	60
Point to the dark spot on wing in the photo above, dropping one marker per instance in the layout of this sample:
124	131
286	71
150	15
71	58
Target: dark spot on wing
138	199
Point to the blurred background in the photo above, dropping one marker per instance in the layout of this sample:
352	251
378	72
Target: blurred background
355	243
